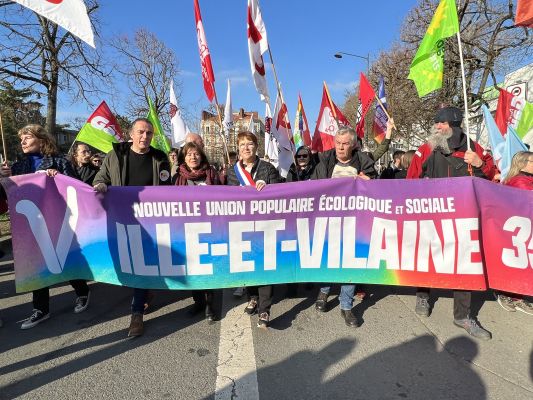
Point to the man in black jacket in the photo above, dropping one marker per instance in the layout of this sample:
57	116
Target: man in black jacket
135	163
347	161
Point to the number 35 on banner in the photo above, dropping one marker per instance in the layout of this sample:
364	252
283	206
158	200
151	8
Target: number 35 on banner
521	256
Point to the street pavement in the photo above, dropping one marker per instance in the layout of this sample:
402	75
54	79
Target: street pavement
394	354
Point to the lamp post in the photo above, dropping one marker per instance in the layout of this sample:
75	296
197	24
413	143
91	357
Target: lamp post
340	54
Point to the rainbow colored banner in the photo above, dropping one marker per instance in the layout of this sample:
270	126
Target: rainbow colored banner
395	232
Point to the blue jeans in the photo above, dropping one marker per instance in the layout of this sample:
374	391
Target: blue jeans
345	297
139	298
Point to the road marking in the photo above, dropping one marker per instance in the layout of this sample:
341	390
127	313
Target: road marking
236	368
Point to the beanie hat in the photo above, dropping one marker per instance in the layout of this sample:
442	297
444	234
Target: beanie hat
452	115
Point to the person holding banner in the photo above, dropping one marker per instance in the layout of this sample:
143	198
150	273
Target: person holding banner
196	171
520	176
135	163
250	170
80	156
349	161
445	155
40	154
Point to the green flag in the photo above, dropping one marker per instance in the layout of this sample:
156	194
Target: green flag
159	141
101	129
525	123
428	65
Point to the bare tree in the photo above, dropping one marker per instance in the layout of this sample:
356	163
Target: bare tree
491	45
148	66
47	59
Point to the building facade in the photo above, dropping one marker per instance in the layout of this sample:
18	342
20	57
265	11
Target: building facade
214	141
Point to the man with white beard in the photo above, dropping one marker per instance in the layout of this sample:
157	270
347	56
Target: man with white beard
445	155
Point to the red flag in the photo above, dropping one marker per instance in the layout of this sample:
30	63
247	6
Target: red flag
524	13
504	110
205	57
304	128
366	97
326	125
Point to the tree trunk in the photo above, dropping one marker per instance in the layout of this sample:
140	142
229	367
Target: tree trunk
51	110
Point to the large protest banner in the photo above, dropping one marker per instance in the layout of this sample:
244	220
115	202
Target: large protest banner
412	233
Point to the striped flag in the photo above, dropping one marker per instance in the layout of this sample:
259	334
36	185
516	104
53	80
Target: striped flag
379	127
301	136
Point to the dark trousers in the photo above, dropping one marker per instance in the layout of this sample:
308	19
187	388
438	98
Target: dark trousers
203	297
462	300
263	295
138	301
41	297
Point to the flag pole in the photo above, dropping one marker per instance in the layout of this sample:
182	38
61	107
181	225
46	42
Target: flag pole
278	86
3	138
220	122
467	125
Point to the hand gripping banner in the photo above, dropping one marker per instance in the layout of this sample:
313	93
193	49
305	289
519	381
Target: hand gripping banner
424	233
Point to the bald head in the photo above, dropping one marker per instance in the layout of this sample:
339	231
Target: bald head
194	138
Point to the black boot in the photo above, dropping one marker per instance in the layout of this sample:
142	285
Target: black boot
321	302
349	318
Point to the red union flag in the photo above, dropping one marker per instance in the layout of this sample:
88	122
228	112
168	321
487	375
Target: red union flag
327	126
524	13
71	15
101	130
366	97
257	46
205	57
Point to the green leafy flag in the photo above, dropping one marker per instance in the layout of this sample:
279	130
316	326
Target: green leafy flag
428	65
525	123
159	141
101	129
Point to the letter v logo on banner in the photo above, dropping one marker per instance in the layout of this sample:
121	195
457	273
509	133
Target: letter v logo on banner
54	257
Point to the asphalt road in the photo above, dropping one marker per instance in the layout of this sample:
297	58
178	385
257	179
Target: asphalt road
304	355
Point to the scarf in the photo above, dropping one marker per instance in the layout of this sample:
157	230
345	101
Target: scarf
205	173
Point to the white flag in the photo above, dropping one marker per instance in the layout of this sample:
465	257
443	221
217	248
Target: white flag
257	46
251	124
179	127
281	126
271	144
281	130
228	114
71	15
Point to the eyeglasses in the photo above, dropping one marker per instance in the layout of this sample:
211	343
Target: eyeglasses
302	156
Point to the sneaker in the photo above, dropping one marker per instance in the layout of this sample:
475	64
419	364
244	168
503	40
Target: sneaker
349	318
422	306
251	307
136	325
471	326
507	303
263	320
321	302
82	302
238	292
524	306
36	318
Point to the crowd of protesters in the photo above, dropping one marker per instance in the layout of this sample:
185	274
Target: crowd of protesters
136	163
